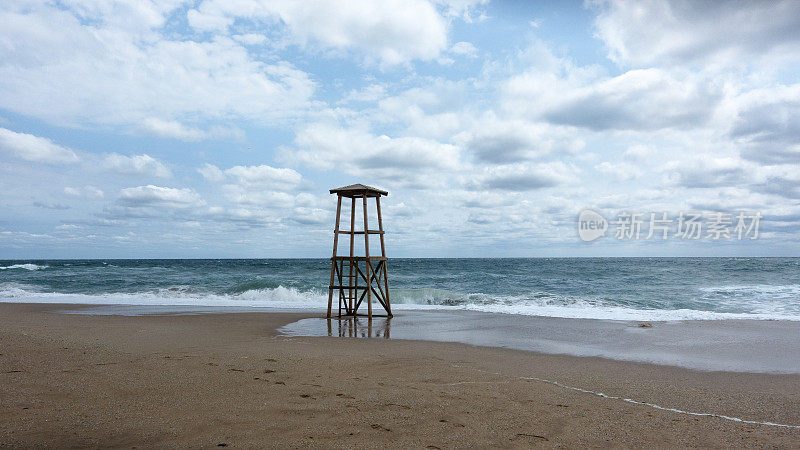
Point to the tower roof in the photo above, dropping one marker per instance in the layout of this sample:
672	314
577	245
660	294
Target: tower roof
357	190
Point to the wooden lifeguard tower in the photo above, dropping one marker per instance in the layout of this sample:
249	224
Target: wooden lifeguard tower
354	274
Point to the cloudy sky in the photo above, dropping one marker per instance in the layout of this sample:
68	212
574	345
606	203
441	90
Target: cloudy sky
214	128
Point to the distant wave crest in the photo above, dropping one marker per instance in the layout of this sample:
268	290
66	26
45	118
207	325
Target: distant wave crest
24	267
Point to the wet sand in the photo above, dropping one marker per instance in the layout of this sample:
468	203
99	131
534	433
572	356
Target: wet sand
210	379
726	345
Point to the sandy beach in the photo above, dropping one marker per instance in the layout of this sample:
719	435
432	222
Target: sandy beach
207	380
424	224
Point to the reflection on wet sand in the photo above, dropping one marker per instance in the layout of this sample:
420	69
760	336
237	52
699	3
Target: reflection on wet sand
359	327
720	345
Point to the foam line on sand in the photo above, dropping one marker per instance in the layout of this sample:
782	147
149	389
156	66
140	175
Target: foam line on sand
652	405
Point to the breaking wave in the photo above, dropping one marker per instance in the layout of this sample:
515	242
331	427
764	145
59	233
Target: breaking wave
24	267
278	297
732	302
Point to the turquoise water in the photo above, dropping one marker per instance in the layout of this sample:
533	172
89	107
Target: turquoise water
605	288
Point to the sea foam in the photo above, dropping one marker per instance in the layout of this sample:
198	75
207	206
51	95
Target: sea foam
24	267
281	297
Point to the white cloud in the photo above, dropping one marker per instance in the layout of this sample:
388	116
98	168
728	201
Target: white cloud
514	142
445	61
241	205
524	177
86	191
250	38
176	130
155	202
705	171
432	111
265	176
247	196
211	172
172	129
136	165
496	141
468	10
260	177
371	93
638	99
249	218
391	31
150	195
310	216
131	16
661	32
34	148
767	124
47	205
358	152
639	152
23	236
620	171
780	180
257	195
98	72
465	49
642	99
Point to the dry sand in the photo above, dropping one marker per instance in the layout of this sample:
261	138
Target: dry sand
213	379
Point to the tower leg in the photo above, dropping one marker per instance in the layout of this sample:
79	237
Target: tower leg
386	290
330	289
351	278
366	253
333	259
383	254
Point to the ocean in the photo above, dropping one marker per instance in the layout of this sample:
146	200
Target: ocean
645	289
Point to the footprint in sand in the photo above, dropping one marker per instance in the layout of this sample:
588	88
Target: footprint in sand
455	424
534	436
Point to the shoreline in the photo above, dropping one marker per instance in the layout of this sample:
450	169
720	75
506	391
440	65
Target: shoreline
206	379
736	345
